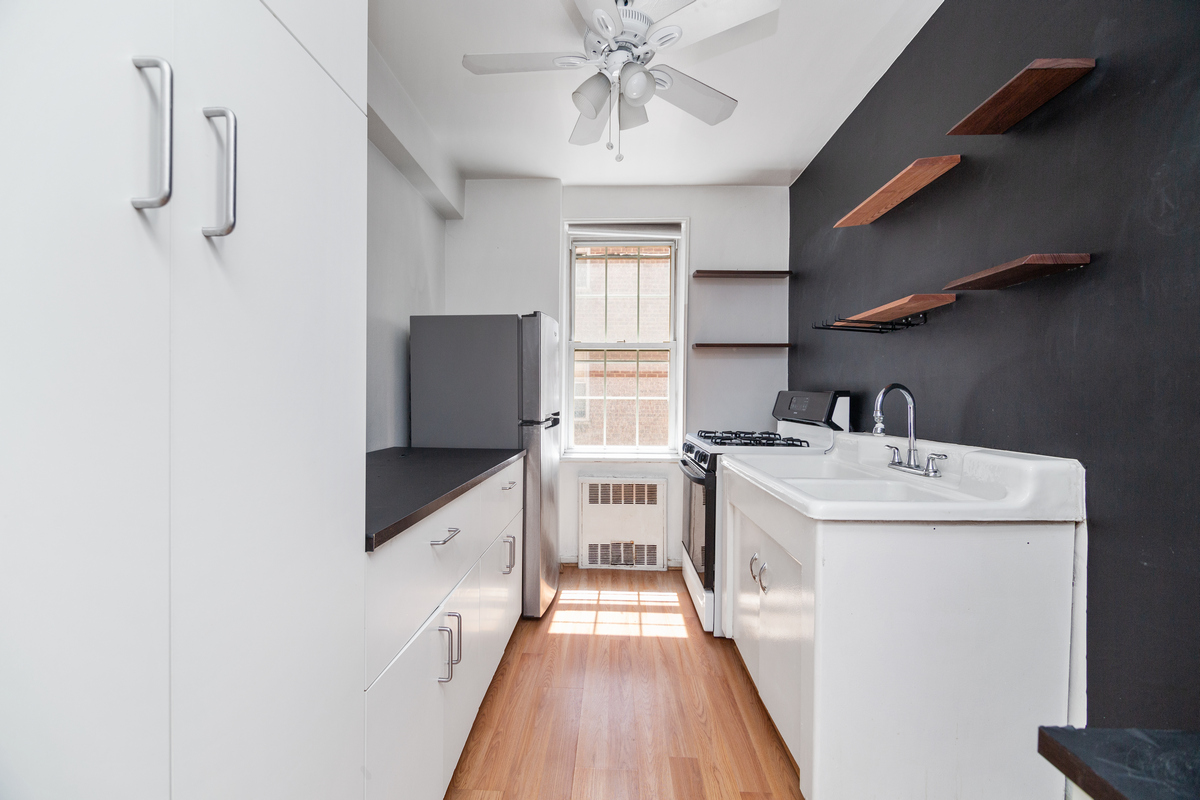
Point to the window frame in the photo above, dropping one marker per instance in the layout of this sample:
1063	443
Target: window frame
672	347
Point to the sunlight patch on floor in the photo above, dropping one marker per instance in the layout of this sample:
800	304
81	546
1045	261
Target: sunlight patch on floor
611	613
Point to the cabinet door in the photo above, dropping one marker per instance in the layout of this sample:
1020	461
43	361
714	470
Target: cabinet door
404	720
747	538
779	629
84	515
336	36
500	593
267	418
471	676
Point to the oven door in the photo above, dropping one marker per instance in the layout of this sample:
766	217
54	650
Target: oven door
699	520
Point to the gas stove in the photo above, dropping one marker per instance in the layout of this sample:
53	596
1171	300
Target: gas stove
814	416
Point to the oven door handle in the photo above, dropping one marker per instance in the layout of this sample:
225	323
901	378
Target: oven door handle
693	474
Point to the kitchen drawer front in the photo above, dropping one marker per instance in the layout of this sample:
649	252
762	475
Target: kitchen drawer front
407	577
502	496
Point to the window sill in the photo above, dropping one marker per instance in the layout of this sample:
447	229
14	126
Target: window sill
630	458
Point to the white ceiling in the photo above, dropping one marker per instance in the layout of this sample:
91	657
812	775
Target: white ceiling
797	74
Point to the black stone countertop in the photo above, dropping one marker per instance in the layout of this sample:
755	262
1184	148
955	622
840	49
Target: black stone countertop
1126	763
407	484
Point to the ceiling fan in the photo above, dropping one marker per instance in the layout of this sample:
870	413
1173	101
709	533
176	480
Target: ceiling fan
620	39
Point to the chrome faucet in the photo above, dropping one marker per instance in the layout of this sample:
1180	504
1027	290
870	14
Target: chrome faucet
912	464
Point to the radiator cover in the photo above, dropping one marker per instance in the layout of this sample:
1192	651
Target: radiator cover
622	523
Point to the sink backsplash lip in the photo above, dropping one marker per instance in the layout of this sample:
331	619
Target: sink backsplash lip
978	484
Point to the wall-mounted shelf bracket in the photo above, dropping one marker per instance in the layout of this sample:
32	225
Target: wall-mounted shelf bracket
863	326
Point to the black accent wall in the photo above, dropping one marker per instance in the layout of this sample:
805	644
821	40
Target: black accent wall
1101	364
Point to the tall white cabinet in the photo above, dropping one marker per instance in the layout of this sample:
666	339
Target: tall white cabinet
84	404
181	417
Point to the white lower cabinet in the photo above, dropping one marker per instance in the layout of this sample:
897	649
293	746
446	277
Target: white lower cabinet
404	725
748	595
767	624
469	678
420	710
500	592
779	639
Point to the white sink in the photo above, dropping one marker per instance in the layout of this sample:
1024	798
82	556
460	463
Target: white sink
853	482
869	490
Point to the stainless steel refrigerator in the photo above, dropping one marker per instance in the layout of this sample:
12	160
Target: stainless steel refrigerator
494	381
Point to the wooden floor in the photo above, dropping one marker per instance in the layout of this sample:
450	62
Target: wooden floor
617	693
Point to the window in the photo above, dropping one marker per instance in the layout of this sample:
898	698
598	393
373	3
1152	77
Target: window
623	347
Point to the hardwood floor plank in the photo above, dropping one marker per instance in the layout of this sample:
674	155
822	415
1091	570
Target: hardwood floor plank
501	750
605	784
685	773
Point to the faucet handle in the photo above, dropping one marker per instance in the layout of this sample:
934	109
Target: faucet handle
896	454
931	470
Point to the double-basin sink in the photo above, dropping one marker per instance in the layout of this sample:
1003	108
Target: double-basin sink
852	481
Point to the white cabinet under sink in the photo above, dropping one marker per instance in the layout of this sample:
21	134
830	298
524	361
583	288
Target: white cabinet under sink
421	706
902	657
768	625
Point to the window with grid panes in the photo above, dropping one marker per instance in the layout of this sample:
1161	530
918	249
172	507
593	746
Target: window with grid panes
623	346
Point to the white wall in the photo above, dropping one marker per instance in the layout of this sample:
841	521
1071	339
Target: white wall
508	255
405	275
729	227
503	256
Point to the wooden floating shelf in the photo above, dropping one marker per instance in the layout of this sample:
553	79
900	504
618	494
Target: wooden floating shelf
702	345
915	177
1024	269
742	273
1031	88
904	307
907	312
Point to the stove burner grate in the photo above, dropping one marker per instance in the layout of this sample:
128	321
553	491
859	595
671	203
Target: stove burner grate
750	439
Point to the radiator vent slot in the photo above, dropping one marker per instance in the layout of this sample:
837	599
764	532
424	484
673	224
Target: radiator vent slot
622	494
621	523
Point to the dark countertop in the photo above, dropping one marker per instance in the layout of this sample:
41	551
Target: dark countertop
1126	763
407	484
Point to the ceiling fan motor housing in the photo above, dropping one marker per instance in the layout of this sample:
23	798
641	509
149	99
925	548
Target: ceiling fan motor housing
635	27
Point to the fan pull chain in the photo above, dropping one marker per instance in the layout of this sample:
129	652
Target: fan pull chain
616	102
610	119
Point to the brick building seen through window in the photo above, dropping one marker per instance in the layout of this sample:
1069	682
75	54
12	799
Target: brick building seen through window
623	341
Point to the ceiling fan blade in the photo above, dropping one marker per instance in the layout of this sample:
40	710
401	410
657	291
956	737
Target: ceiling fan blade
630	116
704	18
696	98
497	63
589	131
602	17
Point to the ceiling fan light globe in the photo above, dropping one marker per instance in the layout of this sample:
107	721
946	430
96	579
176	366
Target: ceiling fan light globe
637	84
592	95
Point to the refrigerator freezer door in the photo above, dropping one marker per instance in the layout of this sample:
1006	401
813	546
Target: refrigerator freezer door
464	378
541	389
541	441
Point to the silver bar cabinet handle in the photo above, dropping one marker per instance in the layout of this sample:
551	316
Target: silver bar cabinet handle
452	533
762	571
753	558
458	618
511	484
226	227
511	541
449	655
166	95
